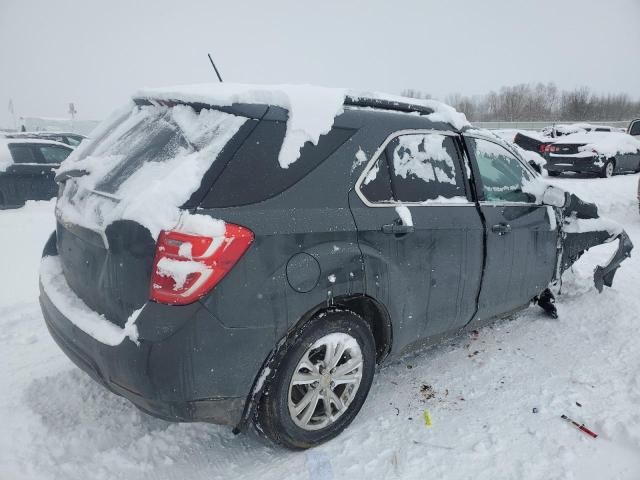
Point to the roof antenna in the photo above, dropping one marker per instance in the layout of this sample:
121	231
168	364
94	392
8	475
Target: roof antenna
214	67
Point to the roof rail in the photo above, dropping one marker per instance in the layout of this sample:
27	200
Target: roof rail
384	104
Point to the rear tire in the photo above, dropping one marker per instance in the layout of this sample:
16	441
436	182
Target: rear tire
319	370
608	169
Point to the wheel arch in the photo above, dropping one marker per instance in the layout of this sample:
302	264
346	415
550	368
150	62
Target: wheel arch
368	308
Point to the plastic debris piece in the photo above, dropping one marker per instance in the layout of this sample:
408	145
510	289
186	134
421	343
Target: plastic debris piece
427	418
579	404
535	410
580	427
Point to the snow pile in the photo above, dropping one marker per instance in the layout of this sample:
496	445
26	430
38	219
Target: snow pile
312	109
144	189
608	144
73	308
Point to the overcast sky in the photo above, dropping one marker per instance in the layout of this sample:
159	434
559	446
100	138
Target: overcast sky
96	54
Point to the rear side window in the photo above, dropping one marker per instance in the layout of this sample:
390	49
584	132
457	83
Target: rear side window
415	168
254	174
54	154
22	154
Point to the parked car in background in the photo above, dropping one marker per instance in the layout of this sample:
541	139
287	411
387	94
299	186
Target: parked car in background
71	139
600	153
560	130
267	284
27	169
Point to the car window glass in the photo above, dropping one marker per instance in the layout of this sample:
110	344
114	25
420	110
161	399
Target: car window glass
22	154
254	173
416	168
501	173
53	154
376	186
635	128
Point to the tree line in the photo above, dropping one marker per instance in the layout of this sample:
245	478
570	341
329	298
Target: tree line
540	102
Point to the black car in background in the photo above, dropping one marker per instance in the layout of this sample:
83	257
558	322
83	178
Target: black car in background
27	169
600	153
395	230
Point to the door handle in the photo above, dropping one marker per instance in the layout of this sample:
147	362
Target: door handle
501	228
397	228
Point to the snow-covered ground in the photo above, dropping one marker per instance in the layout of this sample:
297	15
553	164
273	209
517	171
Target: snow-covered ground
480	391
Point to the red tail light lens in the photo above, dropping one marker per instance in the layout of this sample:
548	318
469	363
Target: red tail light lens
187	267
548	148
542	147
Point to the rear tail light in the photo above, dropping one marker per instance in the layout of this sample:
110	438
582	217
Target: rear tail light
548	148
187	267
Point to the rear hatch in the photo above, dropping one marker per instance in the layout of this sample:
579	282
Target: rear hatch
143	168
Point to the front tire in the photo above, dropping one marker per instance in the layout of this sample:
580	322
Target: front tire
320	383
608	169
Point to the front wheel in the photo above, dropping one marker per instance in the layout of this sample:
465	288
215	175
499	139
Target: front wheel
608	169
320	383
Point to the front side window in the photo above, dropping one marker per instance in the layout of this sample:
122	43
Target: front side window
54	154
416	168
501	173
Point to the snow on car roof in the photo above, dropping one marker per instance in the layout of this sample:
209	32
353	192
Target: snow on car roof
312	109
604	143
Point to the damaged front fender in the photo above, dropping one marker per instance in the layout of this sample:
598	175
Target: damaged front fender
582	229
604	275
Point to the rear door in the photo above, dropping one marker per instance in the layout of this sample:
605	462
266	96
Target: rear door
522	235
420	235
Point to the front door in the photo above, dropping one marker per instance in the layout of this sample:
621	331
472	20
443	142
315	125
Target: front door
420	235
522	234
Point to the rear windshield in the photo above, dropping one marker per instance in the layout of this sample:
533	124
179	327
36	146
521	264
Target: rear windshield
152	144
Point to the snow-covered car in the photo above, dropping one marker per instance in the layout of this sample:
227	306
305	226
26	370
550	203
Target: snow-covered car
604	154
561	130
27	169
244	254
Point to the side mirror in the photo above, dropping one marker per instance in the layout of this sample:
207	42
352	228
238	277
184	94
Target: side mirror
554	196
535	166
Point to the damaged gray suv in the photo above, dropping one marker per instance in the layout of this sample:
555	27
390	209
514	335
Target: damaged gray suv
275	283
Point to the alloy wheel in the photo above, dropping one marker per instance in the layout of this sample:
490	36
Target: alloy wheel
325	381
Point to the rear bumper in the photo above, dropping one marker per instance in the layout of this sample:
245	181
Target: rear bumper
202	371
573	164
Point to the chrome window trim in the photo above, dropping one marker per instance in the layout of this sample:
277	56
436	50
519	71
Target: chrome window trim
374	159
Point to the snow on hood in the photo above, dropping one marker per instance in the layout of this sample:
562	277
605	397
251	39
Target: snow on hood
603	143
